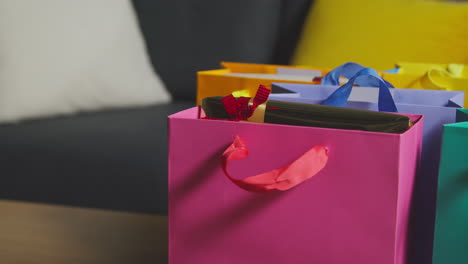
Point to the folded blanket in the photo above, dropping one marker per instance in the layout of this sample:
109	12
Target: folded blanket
299	114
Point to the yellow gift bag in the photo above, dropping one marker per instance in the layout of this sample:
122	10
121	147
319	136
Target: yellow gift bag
453	77
246	77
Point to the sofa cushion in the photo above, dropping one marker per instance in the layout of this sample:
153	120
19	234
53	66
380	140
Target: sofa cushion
187	36
113	159
61	57
379	33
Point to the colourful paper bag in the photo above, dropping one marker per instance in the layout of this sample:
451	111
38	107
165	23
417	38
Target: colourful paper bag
318	195
438	108
451	233
451	77
246	77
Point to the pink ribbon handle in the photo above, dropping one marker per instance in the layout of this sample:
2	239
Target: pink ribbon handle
282	179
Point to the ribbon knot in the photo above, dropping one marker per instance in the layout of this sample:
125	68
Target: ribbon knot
243	108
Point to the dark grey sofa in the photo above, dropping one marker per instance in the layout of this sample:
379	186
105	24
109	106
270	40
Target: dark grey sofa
116	159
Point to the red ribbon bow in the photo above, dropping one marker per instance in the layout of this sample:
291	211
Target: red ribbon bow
241	108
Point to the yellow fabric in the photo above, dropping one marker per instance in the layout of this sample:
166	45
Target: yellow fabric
378	33
452	77
216	83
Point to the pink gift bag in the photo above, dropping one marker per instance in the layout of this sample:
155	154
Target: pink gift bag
255	193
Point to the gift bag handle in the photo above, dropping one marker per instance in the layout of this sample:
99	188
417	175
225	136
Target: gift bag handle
282	179
429	81
429	78
347	70
340	97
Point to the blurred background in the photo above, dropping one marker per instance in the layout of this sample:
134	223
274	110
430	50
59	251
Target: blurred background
86	86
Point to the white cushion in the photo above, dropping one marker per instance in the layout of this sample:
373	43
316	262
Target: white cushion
64	56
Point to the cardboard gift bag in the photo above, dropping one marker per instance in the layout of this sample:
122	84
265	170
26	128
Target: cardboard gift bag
246	77
438	108
451	233
242	192
450	77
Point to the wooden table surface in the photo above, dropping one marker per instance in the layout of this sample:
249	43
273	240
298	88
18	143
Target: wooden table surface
35	233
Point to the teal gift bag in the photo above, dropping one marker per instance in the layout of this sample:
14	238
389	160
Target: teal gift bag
451	233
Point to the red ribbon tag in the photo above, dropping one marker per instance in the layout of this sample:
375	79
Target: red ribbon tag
241	108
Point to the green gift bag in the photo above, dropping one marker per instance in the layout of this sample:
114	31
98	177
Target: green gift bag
451	234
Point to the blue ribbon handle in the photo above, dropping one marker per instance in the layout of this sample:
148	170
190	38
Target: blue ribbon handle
347	70
371	78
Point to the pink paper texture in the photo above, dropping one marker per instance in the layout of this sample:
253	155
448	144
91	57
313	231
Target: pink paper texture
355	210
